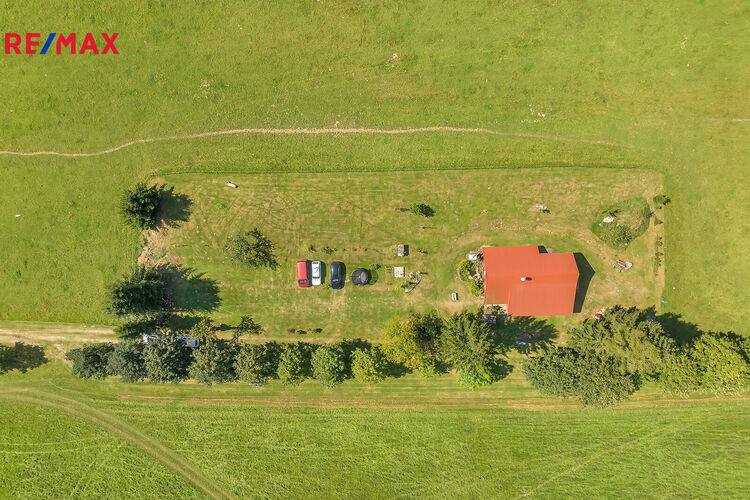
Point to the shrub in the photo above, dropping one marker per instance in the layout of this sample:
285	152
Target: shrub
251	249
139	205
167	359
476	287
256	364
466	344
422	209
204	330
631	218
661	199
294	364
90	360
138	292
413	342
328	366
369	365
466	270
213	363
126	360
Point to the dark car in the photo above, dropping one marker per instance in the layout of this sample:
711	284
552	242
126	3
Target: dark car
337	275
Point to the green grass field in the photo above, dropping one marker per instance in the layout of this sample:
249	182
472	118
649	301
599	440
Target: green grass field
315	443
358	217
595	87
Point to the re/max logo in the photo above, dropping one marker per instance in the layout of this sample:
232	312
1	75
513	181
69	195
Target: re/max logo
27	44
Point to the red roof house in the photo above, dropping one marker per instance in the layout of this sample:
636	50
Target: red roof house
528	281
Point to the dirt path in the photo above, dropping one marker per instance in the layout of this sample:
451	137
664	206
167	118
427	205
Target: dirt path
124	431
313	131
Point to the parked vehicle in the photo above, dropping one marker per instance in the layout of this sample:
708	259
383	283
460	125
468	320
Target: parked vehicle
337	275
303	278
317	272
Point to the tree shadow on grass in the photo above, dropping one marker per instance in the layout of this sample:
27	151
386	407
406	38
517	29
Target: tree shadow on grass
525	334
585	274
500	369
683	332
190	291
25	357
173	209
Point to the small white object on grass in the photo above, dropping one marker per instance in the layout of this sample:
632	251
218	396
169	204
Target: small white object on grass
18	215
231	184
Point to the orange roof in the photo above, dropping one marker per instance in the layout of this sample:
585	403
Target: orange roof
550	287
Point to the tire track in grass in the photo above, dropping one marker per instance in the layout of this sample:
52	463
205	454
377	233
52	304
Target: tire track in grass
314	131
124	431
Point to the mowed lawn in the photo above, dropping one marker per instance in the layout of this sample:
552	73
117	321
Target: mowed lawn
359	218
664	86
275	448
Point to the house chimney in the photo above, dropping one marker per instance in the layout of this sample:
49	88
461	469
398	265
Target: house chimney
526	278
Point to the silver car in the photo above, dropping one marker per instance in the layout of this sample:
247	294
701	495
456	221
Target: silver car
317	272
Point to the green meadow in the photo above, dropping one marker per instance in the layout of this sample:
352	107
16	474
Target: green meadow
586	105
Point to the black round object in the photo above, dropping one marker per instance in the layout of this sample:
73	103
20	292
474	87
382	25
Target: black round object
360	277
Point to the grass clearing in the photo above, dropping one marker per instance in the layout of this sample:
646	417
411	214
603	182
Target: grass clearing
359	218
621	223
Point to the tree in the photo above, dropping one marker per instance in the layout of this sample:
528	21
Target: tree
637	344
466	343
328	366
369	365
251	249
139	205
248	326
138	292
294	364
167	359
203	330
413	342
593	379
214	363
422	209
90	360
126	360
714	362
257	363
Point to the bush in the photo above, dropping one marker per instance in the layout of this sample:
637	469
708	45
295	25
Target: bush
369	365
413	342
213	363
138	292
251	249
139	205
256	364
90	360
422	209
167	359
466	344
294	364
126	360
328	366
467	270
476	287
6	358
631	218
661	199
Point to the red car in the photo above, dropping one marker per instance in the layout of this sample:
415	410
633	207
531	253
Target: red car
303	279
